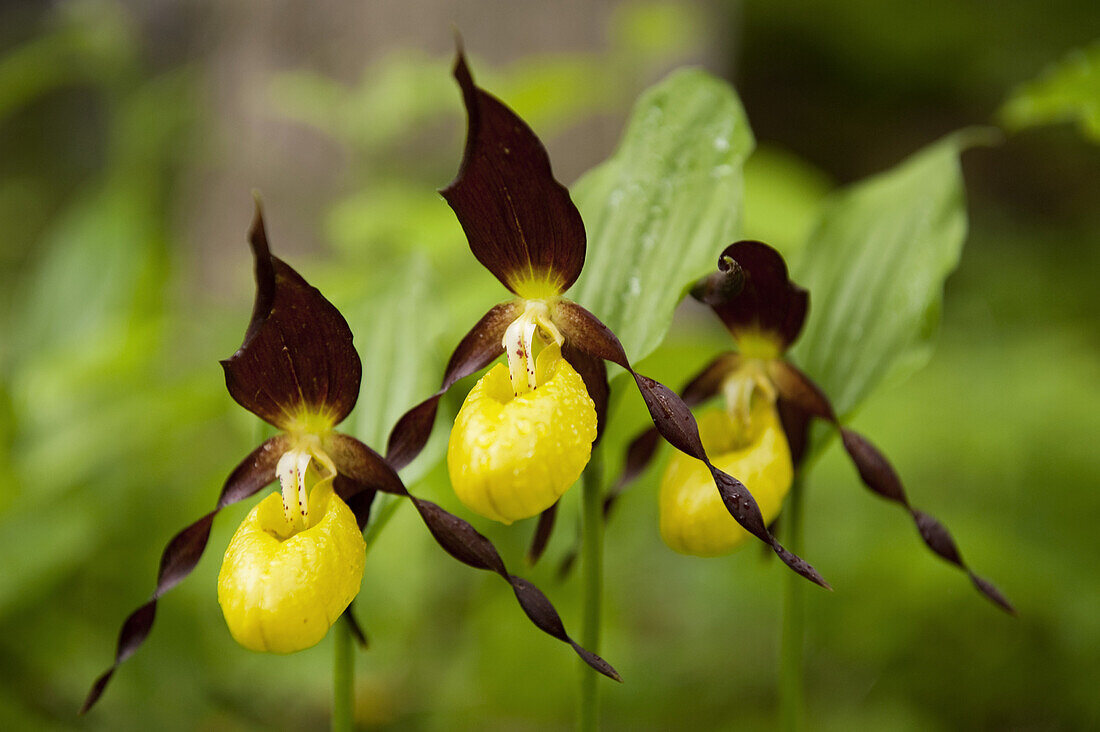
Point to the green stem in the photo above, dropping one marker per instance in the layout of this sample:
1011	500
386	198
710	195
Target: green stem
343	679
790	650
592	574
343	655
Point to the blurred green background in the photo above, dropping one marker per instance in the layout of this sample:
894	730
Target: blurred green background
130	136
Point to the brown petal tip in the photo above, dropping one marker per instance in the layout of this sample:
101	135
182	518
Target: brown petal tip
766	305
520	222
297	367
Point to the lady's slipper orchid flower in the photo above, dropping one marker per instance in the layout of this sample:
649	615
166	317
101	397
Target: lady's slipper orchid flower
765	316
523	436
296	561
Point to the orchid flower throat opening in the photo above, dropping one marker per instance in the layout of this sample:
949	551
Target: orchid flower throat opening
524	338
303	467
743	383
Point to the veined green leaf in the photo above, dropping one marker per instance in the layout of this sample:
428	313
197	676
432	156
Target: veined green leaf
875	267
1068	91
397	331
660	210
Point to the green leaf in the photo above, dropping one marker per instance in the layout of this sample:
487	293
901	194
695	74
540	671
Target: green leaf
397	331
660	210
875	266
1068	91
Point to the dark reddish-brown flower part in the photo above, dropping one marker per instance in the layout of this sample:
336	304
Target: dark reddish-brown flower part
298	370
523	227
765	318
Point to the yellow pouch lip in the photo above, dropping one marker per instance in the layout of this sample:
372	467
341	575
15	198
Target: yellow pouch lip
693	519
511	456
311	576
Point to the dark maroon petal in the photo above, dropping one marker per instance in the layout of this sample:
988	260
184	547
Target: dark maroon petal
362	465
358	497
184	551
798	391
543	530
520	222
704	385
594	373
463	542
722	285
879	475
673	419
457	537
297	356
357	631
794	386
639	454
768	301
708	382
477	350
796	426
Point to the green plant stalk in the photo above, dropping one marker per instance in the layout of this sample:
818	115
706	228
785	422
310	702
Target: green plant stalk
791	708
592	577
343	678
343	654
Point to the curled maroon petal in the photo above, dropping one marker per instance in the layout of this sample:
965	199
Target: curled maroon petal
704	385
878	475
594	373
798	390
543	530
520	222
768	304
184	551
356	629
477	350
673	419
296	367
458	537
722	285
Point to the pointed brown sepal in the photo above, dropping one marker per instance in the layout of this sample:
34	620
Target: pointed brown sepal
768	303
358	497
458	538
520	222
543	531
702	387
356	629
474	352
798	390
796	427
361	467
184	551
674	421
297	366
878	475
594	373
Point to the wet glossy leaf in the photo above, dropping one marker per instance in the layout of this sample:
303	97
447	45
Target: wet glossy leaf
875	267
660	209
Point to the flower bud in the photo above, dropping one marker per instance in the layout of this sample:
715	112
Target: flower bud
512	456
282	586
693	518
